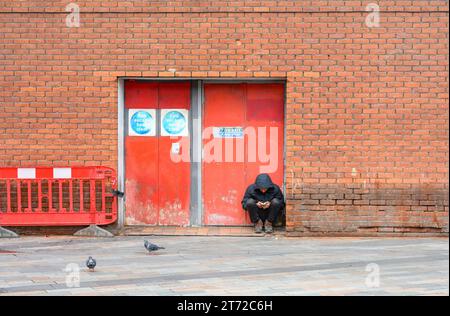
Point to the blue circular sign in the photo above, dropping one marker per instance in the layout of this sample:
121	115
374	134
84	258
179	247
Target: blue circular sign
174	122
141	122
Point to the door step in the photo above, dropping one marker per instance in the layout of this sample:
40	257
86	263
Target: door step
239	231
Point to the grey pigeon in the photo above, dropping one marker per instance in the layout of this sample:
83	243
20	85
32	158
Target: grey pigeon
91	263
151	247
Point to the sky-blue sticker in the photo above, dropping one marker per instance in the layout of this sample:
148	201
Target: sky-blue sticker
174	122
141	122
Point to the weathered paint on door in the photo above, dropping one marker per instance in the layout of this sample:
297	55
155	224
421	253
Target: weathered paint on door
259	110
157	187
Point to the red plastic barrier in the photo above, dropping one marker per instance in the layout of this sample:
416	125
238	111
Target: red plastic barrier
52	196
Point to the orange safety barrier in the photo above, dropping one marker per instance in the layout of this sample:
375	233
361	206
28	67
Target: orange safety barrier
48	196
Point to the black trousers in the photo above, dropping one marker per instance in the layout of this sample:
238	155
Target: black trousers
269	214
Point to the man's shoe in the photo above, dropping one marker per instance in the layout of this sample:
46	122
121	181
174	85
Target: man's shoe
259	227
268	227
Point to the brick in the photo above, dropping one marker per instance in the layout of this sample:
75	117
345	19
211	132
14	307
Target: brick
357	98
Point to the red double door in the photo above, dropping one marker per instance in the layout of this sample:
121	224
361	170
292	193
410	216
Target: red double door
243	135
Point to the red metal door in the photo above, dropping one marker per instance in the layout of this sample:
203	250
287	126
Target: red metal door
224	179
174	174
157	187
244	136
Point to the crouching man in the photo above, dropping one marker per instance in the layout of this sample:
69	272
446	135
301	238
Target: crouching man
263	200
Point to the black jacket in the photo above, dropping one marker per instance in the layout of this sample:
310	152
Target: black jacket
254	192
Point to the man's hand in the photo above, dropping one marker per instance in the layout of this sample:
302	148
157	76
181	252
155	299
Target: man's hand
263	205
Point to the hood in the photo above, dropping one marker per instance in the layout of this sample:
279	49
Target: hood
263	181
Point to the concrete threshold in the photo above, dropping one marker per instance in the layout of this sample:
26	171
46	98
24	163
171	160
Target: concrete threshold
231	231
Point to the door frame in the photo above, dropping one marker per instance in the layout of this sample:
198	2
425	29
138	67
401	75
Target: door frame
196	113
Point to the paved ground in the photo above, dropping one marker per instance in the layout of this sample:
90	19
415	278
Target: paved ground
225	266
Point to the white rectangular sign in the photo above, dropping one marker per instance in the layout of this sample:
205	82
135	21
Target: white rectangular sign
228	132
26	173
62	173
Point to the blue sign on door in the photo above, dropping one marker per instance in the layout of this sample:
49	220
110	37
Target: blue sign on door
174	123
142	123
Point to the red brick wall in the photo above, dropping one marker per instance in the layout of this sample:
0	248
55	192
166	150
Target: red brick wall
367	112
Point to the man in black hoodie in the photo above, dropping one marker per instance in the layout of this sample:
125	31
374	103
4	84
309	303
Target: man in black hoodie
263	200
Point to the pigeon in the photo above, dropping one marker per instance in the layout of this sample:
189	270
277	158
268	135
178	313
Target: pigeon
91	263
151	247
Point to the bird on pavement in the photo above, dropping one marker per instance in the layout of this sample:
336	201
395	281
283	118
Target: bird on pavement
151	247
91	263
